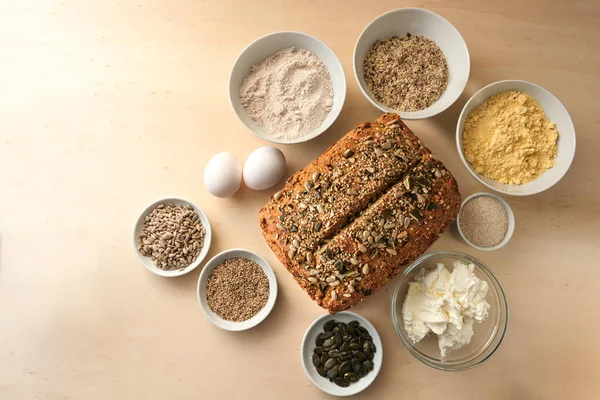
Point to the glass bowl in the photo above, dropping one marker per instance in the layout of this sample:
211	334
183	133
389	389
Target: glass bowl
487	335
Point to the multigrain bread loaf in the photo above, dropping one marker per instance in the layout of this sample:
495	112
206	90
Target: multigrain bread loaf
348	222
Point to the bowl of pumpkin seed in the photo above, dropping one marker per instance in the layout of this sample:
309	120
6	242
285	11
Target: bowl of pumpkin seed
342	353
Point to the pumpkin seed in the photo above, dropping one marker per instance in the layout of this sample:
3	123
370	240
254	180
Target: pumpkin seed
356	365
368	365
329	342
359	356
321	371
341	382
345	347
316	359
355	346
345	356
329	325
330	363
333	372
351	376
335	353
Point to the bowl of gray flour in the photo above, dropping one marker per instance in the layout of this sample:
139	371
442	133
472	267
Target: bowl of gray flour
287	87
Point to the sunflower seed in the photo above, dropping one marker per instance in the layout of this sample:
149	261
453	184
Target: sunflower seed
350	288
365	269
354	261
316	176
334	283
389	226
314	272
392	251
333	295
302	206
406	222
420	198
370	170
378	152
362	248
352	192
278	195
309	185
386	146
330	279
347	295
313	279
320	209
309	257
291	254
408	183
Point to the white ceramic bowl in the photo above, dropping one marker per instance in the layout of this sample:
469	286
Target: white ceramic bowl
257	51
555	112
308	346
147	261
201	290
511	223
417	22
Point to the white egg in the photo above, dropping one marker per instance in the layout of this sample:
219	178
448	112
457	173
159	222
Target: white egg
223	175
264	167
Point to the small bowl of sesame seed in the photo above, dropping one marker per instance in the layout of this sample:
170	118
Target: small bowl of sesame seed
485	222
237	289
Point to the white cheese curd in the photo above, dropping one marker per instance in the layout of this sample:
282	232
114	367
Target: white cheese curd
445	303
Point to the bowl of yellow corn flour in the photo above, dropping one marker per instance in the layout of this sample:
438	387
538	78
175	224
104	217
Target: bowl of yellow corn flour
515	137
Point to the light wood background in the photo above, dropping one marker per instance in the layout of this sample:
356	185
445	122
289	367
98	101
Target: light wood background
108	105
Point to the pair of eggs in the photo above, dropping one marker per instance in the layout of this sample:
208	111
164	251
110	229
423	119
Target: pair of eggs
263	168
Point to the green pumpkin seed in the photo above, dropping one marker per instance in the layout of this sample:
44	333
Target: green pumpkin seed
319	340
321	371
345	367
329	325
355	346
326	335
324	358
351	330
333	372
351	376
363	372
338	339
366	336
329	342
356	365
373	348
345	356
368	365
345	347
367	353
359	356
330	364
362	329
334	353
319	350
341	382
316	359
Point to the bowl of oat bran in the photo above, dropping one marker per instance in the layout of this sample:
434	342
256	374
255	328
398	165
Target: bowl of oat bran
411	61
287	87
237	289
535	152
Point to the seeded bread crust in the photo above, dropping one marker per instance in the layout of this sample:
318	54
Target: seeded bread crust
372	180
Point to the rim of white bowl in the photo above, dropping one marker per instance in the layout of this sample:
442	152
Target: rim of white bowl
402	114
147	261
319	131
261	315
350	390
509	213
474	174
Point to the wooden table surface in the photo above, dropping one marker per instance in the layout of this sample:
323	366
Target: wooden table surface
108	105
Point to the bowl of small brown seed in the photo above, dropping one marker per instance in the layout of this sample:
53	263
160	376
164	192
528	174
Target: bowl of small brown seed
237	289
411	61
171	237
